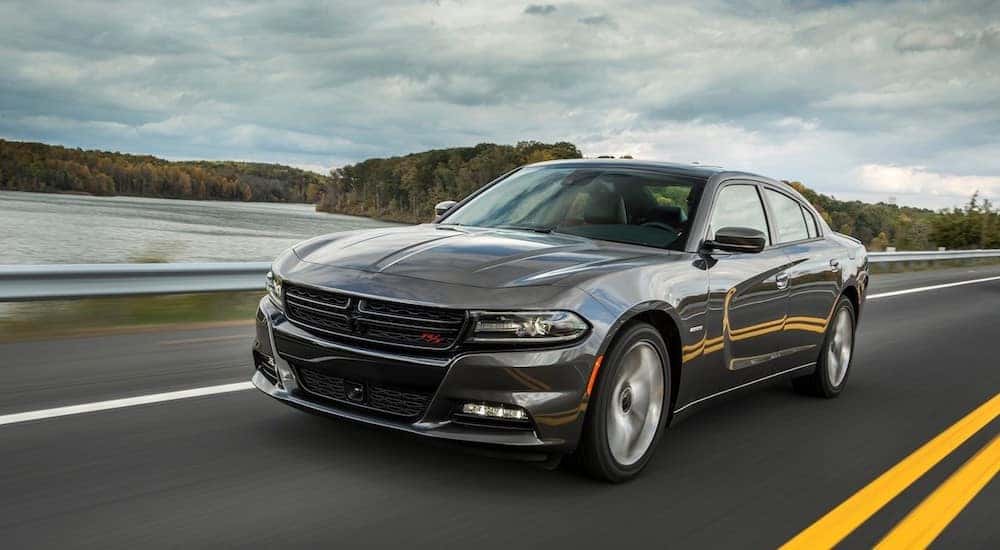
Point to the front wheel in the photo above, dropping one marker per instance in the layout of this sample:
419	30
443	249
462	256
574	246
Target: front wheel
835	356
627	411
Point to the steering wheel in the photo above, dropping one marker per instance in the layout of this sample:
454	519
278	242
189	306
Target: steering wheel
661	226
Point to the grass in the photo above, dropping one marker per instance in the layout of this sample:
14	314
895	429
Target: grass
47	319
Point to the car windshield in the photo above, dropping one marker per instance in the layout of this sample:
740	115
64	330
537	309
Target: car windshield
627	205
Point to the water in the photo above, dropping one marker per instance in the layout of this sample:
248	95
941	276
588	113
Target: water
40	228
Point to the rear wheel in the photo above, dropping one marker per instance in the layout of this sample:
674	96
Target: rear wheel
835	357
627	411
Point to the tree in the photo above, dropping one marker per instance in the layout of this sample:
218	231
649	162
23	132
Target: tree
879	243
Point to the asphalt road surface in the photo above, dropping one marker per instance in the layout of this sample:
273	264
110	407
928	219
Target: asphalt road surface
240	470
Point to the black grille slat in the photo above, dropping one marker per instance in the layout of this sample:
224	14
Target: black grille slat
375	321
368	321
397	401
309	306
331	387
381	398
317	297
408	311
323	322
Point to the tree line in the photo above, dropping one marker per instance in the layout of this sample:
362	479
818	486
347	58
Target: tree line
53	169
880	225
406	188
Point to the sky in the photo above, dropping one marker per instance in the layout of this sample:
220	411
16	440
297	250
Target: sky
861	100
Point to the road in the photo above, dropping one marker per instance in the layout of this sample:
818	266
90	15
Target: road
239	470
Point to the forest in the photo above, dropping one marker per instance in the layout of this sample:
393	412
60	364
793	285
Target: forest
53	169
974	225
405	188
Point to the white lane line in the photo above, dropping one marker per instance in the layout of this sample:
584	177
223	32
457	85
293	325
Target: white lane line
121	403
933	287
208	340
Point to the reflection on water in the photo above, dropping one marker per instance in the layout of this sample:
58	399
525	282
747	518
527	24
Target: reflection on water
45	228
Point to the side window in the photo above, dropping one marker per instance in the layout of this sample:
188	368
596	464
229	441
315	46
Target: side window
738	206
811	227
789	223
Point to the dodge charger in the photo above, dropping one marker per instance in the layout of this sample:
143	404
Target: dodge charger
568	308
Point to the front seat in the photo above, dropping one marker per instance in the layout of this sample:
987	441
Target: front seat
605	208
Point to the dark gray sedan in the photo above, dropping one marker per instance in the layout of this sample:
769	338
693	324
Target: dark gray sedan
570	307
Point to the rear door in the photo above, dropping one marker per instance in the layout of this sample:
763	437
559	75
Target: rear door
813	276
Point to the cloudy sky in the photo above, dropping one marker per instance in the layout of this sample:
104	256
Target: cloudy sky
858	99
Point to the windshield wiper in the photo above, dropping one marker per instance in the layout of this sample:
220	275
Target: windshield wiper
535	228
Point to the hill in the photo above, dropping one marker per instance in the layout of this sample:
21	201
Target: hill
53	169
406	188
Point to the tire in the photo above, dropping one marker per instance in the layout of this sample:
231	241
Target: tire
629	404
832	367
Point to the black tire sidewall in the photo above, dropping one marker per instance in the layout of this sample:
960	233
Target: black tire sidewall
822	371
597	436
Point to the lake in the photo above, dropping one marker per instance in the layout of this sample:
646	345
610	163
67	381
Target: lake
40	228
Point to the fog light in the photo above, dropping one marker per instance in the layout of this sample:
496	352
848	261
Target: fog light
508	412
285	374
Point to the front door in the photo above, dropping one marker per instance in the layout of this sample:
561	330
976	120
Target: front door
748	293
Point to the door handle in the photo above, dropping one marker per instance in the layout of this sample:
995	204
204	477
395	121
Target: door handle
781	279
834	264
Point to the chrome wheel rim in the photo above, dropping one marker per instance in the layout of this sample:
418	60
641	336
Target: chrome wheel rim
838	353
636	399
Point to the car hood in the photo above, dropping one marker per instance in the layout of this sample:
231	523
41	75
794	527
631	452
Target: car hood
481	257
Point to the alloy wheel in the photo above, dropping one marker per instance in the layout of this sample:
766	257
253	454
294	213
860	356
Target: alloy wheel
636	401
838	353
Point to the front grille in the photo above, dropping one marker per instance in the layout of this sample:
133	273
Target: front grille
386	399
371	320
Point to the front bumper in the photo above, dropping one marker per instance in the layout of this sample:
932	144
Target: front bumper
549	384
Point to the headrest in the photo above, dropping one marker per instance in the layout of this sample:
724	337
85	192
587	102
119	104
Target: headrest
604	207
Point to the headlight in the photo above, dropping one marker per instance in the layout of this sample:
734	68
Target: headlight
273	286
526	326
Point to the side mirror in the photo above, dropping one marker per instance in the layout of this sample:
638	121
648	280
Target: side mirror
738	239
442	207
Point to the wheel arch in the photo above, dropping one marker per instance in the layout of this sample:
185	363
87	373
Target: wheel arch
665	320
851	293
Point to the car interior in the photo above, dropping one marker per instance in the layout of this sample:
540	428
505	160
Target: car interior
627	207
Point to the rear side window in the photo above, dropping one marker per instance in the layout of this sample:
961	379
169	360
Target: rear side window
738	206
810	223
789	219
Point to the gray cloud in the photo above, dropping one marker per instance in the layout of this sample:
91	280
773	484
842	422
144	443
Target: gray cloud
540	9
925	39
811	90
603	19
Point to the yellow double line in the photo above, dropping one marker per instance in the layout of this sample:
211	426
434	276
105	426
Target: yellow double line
926	521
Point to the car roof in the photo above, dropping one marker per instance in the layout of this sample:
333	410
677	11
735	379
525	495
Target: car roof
713	174
676	167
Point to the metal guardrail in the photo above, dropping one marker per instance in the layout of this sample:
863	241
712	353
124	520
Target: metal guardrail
930	255
51	282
